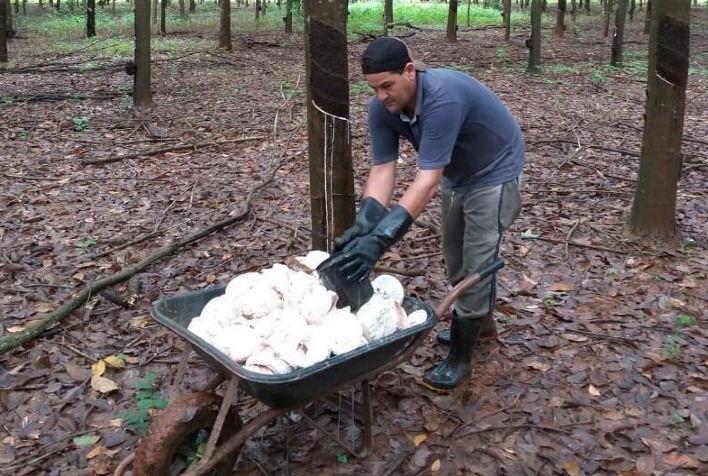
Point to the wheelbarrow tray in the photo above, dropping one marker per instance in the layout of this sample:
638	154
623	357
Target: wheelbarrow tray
300	386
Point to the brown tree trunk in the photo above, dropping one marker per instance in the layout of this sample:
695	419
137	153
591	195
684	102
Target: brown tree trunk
225	26
618	37
331	175
163	17
534	42
560	17
507	20
587	6
388	15
451	34
609	7
288	16
3	32
90	18
647	19
142	91
654	207
155	8
192	6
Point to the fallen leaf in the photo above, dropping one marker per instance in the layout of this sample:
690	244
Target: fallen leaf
97	451
98	369
593	391
435	467
523	251
86	440
140	322
540	366
572	467
44	307
646	465
561	287
115	362
574	337
679	459
419	439
79	276
103	384
77	373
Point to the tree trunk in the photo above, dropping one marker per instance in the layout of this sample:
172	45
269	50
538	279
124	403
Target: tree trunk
573	10
182	10
142	91
388	15
288	16
331	175
225	26
90	18
9	28
560	17
618	37
534	43
192	6
587	6
507	20
654	207
3	32
647	19
632	8
163	17
451	34
609	7
155	15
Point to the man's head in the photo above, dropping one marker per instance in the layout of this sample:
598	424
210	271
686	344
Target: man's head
389	70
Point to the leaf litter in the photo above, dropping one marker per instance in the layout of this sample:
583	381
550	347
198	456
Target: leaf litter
594	372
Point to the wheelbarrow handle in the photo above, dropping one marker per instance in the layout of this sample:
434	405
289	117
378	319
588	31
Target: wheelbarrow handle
465	284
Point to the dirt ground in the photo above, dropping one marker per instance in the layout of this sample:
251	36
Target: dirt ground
600	367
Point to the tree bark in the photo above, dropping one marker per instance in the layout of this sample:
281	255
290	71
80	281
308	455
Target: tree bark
535	40
163	17
451	34
609	7
90	18
654	208
142	90
3	32
560	17
647	19
225	26
288	16
507	20
618	37
331	175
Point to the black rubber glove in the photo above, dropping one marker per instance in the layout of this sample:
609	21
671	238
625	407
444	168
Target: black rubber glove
358	258
370	214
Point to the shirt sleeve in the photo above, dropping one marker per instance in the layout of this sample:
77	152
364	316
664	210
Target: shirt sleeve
384	138
441	125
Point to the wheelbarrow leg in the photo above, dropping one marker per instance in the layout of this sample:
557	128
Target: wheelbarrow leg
367	417
181	369
221	417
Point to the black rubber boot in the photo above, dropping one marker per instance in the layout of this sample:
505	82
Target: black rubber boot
488	330
464	334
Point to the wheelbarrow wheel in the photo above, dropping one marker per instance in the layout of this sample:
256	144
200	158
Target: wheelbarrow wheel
175	436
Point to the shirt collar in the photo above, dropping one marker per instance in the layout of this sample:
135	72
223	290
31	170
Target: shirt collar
418	100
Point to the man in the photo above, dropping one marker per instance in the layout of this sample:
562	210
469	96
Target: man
470	147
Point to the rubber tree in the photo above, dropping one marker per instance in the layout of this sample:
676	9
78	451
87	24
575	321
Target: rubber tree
560	18
507	19
609	8
618	37
142	90
534	43
3	32
90	18
451	32
653	212
288	18
327	74
225	25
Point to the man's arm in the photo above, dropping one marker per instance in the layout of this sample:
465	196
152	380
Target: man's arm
379	185
421	191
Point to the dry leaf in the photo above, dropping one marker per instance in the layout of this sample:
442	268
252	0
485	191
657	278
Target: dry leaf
115	362
87	264
593	391
679	459
141	321
99	368
523	251
419	439
97	451
435	467
561	287
78	374
103	384
646	465
572	467
540	366
574	337
78	276
44	307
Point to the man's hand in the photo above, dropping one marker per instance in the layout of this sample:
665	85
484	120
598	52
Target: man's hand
370	214
358	258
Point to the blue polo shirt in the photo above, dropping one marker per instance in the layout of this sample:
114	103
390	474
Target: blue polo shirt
459	125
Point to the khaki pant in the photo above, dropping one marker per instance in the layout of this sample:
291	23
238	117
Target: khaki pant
473	225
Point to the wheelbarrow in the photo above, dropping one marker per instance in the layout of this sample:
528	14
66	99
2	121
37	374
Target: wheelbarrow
206	411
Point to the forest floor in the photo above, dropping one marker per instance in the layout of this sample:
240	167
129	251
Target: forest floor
601	365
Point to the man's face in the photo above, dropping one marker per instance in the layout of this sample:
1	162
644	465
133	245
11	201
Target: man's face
396	91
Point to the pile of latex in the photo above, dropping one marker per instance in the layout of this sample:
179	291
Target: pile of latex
280	319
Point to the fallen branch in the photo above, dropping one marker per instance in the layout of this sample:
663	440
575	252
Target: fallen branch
163	150
575	243
590	146
13	341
